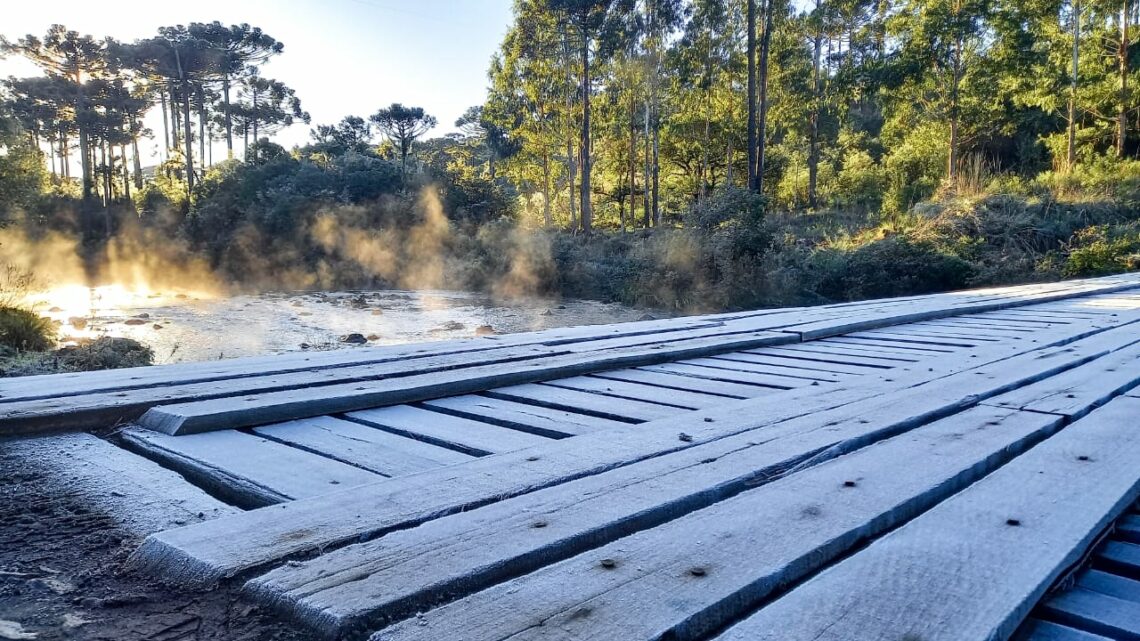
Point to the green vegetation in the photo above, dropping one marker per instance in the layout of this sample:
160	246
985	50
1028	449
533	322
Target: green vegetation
686	154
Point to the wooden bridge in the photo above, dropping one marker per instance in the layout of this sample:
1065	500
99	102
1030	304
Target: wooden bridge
957	466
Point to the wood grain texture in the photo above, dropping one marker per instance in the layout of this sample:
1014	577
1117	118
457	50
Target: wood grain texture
206	554
473	437
972	567
366	447
745	545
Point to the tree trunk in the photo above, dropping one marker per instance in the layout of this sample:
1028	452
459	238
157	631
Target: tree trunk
1122	59
753	184
188	141
138	162
762	133
1071	158
201	128
956	79
126	172
587	207
632	159
645	199
547	218
813	152
229	118
165	125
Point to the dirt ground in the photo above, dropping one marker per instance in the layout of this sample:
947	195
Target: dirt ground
63	576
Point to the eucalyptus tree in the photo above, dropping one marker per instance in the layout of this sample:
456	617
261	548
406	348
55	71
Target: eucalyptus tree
402	126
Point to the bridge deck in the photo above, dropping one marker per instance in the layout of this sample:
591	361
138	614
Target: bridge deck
925	468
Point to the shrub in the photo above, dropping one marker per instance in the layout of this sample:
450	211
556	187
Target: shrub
893	266
1104	249
105	353
25	330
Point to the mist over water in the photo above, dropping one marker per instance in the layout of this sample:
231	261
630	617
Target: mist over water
189	327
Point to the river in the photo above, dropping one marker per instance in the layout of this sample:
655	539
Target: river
193	326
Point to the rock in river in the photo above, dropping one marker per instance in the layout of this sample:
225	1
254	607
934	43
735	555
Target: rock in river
354	338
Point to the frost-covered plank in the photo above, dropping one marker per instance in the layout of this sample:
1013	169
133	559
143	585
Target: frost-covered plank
618	409
797	361
918	333
243	411
809	352
742	364
889	345
250	469
543	421
973	567
362	446
474	437
1038	630
718	562
678	382
1111	616
1080	389
853	355
204	554
673	397
136	492
729	374
105	408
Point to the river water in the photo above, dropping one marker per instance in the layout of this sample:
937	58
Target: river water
190	326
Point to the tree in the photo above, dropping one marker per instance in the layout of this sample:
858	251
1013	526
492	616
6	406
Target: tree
265	106
71	59
402	126
351	133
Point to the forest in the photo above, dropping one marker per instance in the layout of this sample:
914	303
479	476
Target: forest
689	155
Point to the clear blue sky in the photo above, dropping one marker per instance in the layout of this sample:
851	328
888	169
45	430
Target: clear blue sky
342	56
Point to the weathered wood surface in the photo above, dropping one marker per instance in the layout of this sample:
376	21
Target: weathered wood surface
474	437
247	469
586	402
363	446
542	421
1045	631
678	382
140	496
740	362
243	411
932	578
1117	618
684	399
1081	389
714	564
206	554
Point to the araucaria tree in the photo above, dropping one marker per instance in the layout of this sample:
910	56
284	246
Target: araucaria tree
403	125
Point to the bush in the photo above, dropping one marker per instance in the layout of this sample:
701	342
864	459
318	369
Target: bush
893	266
105	353
25	330
1104	249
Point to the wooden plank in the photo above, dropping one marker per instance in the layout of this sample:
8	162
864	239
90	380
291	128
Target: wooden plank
1037	630
543	421
891	345
743	558
1022	320
730	375
682	399
105	408
1101	614
916	332
1128	528
362	446
744	365
1110	584
855	355
473	437
1081	389
992	550
897	339
249	469
202	555
138	494
678	382
810	353
571	400
995	328
243	411
797	361
1121	558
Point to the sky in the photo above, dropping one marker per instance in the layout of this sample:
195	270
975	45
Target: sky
343	57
